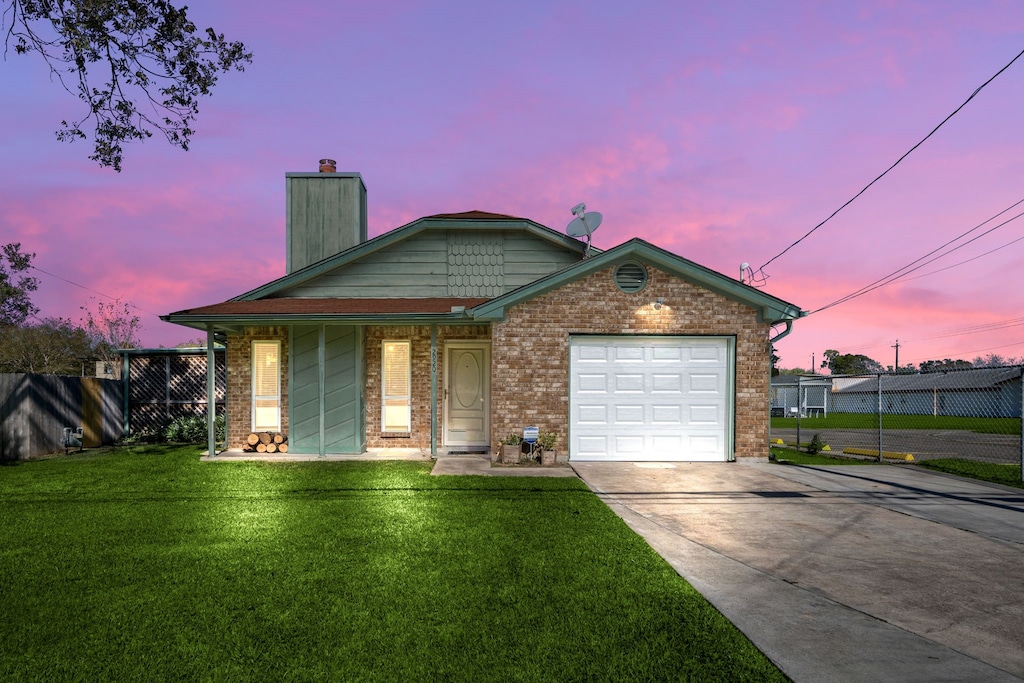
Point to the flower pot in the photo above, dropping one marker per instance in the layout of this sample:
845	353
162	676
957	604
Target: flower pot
510	454
547	457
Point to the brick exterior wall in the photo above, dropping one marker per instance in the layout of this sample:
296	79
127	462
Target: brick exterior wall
530	358
239	368
419	335
530	350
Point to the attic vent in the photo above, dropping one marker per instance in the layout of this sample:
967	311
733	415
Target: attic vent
631	277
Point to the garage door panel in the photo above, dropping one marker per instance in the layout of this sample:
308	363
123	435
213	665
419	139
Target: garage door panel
663	383
592	383
670	414
592	414
588	354
629	414
592	447
630	446
649	398
628	384
627	354
705	414
705	383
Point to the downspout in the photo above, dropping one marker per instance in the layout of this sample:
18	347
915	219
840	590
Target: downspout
780	335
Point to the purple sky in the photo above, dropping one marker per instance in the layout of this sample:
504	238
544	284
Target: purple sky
721	133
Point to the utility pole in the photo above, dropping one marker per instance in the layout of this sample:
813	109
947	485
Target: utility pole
897	347
813	371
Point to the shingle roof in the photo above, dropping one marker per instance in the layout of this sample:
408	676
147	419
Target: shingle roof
325	306
476	216
979	378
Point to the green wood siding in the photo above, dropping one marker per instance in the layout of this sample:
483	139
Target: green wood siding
343	413
304	390
326	214
443	263
342	391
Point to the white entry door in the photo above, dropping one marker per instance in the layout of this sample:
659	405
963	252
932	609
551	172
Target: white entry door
467	394
650	398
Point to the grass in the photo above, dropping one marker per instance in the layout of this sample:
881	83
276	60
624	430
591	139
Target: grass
151	565
987	471
794	457
982	425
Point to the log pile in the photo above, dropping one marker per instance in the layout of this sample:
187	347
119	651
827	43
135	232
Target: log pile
266	442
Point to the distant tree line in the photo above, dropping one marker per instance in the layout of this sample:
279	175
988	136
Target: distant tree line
56	346
858	364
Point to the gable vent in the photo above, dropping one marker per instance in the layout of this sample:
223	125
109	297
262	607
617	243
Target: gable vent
631	277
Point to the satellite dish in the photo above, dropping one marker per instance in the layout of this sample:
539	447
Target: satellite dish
584	225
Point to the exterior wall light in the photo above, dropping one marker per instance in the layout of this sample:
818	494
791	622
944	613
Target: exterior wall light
658	303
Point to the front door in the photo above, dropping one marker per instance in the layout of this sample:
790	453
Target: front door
467	395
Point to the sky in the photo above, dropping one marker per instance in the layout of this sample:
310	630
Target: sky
723	132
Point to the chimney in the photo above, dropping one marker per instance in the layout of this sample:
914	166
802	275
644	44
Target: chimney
326	214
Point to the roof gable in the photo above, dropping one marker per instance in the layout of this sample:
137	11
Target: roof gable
399	237
769	308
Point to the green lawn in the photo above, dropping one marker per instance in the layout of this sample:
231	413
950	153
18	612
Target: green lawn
150	565
983	425
794	457
987	471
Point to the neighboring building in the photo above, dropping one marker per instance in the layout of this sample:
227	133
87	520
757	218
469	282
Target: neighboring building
804	395
450	332
981	392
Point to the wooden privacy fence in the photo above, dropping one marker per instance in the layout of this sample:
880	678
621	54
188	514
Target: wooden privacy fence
35	409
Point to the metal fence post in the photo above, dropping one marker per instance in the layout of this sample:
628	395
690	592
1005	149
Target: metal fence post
799	381
879	417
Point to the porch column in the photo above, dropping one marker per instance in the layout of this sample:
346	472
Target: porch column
211	393
321	351
433	390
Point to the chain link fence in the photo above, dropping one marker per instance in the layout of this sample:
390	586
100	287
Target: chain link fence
966	421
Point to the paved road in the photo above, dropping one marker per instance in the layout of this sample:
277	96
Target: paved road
922	443
872	573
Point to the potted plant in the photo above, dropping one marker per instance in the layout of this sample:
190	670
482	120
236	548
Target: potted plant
511	446
547	441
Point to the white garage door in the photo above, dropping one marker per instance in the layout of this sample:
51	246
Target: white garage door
650	398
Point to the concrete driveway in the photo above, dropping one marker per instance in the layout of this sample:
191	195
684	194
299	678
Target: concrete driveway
870	573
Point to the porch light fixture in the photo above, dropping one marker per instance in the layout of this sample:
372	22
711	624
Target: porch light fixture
658	303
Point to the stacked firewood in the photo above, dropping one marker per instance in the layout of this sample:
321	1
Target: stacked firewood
266	442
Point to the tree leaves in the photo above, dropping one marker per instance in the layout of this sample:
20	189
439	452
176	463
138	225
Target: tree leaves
153	63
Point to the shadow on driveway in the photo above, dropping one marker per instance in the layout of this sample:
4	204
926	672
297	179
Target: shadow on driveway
883	573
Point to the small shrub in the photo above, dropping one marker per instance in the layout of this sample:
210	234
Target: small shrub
815	445
192	429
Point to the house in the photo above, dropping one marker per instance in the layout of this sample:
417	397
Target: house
979	392
804	395
454	330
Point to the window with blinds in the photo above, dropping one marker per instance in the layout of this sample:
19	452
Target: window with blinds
266	386
396	386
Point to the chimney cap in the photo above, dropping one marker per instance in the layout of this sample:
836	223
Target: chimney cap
328	166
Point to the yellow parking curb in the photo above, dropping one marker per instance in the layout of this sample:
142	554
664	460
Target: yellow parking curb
888	455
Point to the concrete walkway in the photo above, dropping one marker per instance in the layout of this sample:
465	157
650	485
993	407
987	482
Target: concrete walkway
871	573
476	464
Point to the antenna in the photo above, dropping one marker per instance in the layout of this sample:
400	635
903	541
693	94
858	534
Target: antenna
744	267
585	224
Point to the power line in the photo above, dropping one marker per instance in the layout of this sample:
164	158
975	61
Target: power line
960	263
90	289
895	163
907	269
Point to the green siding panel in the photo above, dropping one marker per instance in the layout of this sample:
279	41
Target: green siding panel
342	405
443	263
304	391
